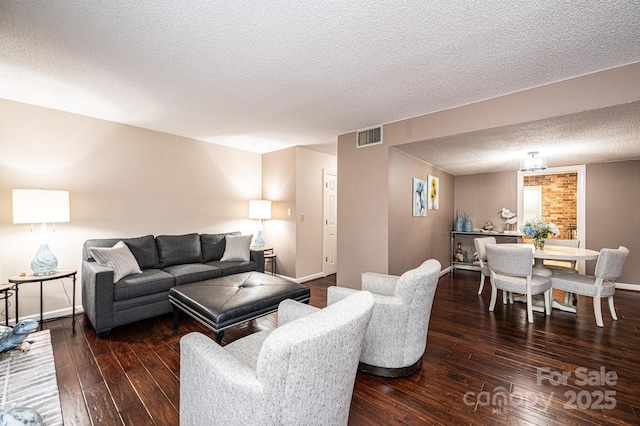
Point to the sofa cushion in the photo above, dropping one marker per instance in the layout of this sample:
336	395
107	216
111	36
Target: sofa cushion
237	248
229	267
148	282
213	245
192	272
178	249
142	248
118	258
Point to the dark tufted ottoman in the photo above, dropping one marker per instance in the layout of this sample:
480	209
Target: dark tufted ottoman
223	302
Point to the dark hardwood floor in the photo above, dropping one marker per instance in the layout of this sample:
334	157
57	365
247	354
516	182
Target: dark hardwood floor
479	367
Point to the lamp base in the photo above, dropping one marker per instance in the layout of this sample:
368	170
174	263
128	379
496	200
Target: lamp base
259	241
45	262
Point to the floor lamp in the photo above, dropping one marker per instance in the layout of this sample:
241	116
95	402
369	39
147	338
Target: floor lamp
259	209
41	206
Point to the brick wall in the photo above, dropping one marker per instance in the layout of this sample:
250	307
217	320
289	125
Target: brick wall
559	199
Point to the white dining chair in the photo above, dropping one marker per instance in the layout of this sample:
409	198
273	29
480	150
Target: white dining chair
602	284
480	244
566	265
512	271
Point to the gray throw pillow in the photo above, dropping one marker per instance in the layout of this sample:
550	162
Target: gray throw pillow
237	248
119	258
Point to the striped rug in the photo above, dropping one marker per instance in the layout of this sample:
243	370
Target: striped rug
29	379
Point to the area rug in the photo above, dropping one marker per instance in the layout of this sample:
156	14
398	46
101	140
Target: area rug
29	379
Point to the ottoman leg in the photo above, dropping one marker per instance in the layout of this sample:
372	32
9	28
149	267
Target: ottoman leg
176	316
219	336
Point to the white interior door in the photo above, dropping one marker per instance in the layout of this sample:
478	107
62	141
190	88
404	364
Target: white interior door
330	222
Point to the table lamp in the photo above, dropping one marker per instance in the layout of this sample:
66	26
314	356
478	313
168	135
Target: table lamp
41	206
259	209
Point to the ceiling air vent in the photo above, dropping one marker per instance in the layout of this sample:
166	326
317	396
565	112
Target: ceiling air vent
367	137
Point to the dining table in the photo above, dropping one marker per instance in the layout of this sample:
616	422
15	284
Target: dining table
551	252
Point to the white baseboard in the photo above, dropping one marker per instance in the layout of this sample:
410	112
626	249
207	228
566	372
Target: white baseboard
445	271
632	287
305	279
47	315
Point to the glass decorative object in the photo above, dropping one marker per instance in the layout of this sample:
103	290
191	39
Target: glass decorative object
468	225
459	222
538	243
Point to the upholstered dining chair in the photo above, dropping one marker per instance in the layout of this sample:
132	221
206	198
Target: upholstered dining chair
301	373
480	244
608	269
565	265
397	334
512	271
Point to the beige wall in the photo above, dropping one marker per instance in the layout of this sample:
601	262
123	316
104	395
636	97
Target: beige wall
363	240
123	181
293	180
484	195
613	212
279	186
362	210
412	240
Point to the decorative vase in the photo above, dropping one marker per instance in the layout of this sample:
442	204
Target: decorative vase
468	226
13	415
538	243
460	222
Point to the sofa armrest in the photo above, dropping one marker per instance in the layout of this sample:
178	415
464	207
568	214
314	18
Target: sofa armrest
380	283
97	295
258	257
290	310
205	365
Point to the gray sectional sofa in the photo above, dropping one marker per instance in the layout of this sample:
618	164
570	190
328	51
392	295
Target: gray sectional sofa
165	261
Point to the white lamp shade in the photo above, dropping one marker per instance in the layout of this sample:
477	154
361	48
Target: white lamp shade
259	209
40	206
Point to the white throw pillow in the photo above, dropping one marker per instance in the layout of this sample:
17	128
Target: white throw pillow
119	258
237	247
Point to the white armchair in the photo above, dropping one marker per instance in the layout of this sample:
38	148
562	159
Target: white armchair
301	373
397	334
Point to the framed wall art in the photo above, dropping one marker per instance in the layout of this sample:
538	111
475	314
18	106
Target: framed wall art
433	184
419	198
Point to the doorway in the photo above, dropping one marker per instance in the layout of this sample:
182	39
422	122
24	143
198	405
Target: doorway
570	227
330	223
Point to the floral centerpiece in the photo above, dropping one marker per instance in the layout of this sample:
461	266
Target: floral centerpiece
539	230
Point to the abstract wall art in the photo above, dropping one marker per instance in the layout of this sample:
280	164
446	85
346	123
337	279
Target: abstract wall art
433	191
419	197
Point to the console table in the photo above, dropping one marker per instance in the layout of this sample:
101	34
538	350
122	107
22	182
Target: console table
31	278
466	242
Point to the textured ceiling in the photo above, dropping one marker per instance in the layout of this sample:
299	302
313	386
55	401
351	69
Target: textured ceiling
271	74
601	135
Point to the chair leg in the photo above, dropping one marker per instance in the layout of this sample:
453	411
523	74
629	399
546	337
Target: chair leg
481	283
597	310
494	296
511	298
505	295
548	295
612	309
567	297
529	308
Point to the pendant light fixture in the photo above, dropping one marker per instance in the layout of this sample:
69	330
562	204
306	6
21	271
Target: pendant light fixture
533	164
